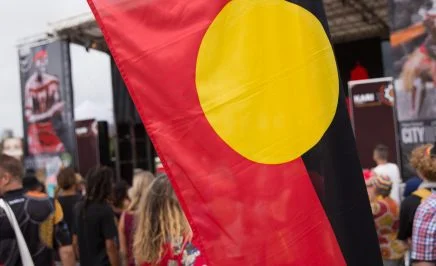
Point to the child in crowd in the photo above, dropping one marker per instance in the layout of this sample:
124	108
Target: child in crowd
385	212
163	235
94	229
141	182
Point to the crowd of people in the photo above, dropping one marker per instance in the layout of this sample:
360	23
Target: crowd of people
404	213
100	223
97	221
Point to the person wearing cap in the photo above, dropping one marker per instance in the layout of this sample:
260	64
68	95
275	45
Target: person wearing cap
386	217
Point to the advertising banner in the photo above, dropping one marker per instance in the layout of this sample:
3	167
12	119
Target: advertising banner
413	41
413	134
47	102
372	114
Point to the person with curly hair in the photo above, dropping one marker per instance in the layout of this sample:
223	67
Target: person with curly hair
423	159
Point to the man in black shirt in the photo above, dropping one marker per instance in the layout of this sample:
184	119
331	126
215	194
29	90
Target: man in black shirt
94	229
40	219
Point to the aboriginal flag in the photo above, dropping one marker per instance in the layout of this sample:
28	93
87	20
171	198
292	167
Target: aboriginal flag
243	103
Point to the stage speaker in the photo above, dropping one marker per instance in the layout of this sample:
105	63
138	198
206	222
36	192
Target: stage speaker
104	144
134	150
145	152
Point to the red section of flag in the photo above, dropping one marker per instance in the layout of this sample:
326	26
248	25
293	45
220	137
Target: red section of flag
243	213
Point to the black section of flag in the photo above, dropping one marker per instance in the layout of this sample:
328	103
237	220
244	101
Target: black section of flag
337	176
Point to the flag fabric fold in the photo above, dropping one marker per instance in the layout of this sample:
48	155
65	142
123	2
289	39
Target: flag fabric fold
243	104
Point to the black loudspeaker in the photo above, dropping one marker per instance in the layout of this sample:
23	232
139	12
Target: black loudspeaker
135	150
145	151
104	144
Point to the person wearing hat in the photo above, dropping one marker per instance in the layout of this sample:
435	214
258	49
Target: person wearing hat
386	218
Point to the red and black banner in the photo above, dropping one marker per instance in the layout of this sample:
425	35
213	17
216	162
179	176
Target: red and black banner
242	101
372	103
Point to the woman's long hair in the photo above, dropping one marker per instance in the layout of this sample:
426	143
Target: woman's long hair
140	184
160	221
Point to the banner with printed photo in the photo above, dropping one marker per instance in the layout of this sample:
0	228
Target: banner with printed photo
413	134
413	41
47	101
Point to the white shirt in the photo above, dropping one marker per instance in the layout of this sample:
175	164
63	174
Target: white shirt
393	172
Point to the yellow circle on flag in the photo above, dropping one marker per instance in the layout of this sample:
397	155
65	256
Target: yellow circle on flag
267	80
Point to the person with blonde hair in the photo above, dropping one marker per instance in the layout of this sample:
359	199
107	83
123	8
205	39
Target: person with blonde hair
141	182
163	235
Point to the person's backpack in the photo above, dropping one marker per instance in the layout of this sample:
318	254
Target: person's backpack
422	193
26	258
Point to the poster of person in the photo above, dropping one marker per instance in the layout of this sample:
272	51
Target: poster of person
413	42
47	101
